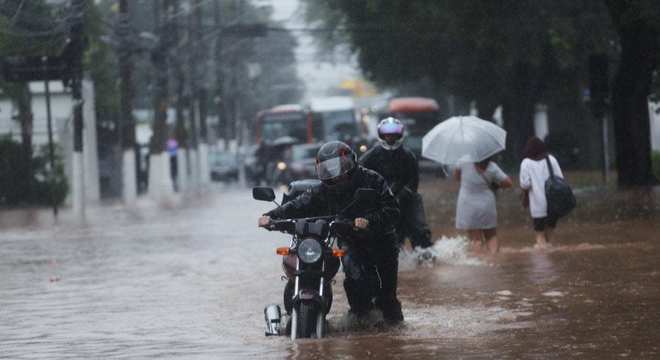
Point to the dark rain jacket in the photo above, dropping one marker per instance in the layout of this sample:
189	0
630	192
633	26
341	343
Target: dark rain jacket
324	201
399	167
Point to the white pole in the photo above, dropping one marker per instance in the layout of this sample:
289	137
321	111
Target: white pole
182	168
78	185
129	186
606	155
160	179
90	149
205	176
194	168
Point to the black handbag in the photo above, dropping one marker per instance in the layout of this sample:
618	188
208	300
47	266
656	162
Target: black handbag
558	194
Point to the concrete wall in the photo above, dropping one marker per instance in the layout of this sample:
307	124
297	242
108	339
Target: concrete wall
60	103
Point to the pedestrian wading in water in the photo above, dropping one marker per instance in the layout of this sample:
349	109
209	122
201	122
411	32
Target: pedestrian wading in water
533	174
476	210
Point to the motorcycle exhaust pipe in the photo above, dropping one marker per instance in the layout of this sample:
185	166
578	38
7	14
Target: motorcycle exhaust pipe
273	317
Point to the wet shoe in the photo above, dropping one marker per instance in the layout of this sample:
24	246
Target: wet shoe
392	313
426	255
394	319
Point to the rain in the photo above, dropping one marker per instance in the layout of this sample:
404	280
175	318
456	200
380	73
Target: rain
138	138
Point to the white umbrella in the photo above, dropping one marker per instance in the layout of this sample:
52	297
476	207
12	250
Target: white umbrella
463	139
285	140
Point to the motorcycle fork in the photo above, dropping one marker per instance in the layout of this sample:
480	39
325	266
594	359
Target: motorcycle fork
321	279
297	295
297	281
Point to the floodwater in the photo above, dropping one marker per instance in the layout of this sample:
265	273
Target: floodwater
190	280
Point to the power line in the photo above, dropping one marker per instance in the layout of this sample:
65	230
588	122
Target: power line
60	26
18	12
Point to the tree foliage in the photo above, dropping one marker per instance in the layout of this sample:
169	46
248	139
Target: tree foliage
48	185
511	52
32	28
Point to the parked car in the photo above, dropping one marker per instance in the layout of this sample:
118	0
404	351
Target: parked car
224	166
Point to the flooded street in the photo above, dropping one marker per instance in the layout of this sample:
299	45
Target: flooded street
191	281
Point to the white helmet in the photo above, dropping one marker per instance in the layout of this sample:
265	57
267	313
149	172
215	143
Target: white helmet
390	126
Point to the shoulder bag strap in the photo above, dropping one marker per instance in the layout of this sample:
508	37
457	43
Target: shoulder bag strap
488	183
547	160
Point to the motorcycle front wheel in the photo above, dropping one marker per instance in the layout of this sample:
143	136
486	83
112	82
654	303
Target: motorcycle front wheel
320	325
304	320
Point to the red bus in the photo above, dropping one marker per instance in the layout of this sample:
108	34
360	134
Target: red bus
323	119
419	114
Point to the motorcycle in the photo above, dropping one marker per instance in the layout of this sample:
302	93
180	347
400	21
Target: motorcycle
278	173
310	262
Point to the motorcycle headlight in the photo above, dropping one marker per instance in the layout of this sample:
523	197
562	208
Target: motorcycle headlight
310	251
281	166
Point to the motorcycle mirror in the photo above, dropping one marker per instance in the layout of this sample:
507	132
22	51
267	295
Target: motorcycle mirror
263	193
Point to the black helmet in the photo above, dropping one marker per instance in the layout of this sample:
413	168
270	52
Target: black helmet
335	162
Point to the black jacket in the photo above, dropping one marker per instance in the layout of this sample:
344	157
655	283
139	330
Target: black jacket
399	167
324	201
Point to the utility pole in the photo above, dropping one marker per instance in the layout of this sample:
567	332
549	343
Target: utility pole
599	93
160	184
235	86
51	150
180	131
77	44
193	108
201	94
159	59
219	98
126	91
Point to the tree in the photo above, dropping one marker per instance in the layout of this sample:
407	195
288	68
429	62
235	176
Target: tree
638	25
20	95
519	57
28	29
246	89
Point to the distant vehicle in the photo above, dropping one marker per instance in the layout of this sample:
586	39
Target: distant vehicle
334	118
284	121
224	166
251	164
303	161
419	115
321	120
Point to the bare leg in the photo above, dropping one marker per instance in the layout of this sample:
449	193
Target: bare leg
541	242
475	241
492	244
548	234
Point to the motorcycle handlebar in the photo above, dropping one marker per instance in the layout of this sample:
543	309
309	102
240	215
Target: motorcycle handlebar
286	225
289	225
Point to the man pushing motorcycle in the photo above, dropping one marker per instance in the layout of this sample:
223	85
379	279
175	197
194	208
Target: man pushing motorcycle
371	263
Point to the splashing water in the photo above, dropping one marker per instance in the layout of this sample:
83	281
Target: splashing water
462	321
446	250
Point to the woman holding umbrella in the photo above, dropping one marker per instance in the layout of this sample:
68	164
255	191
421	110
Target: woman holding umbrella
469	143
476	211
